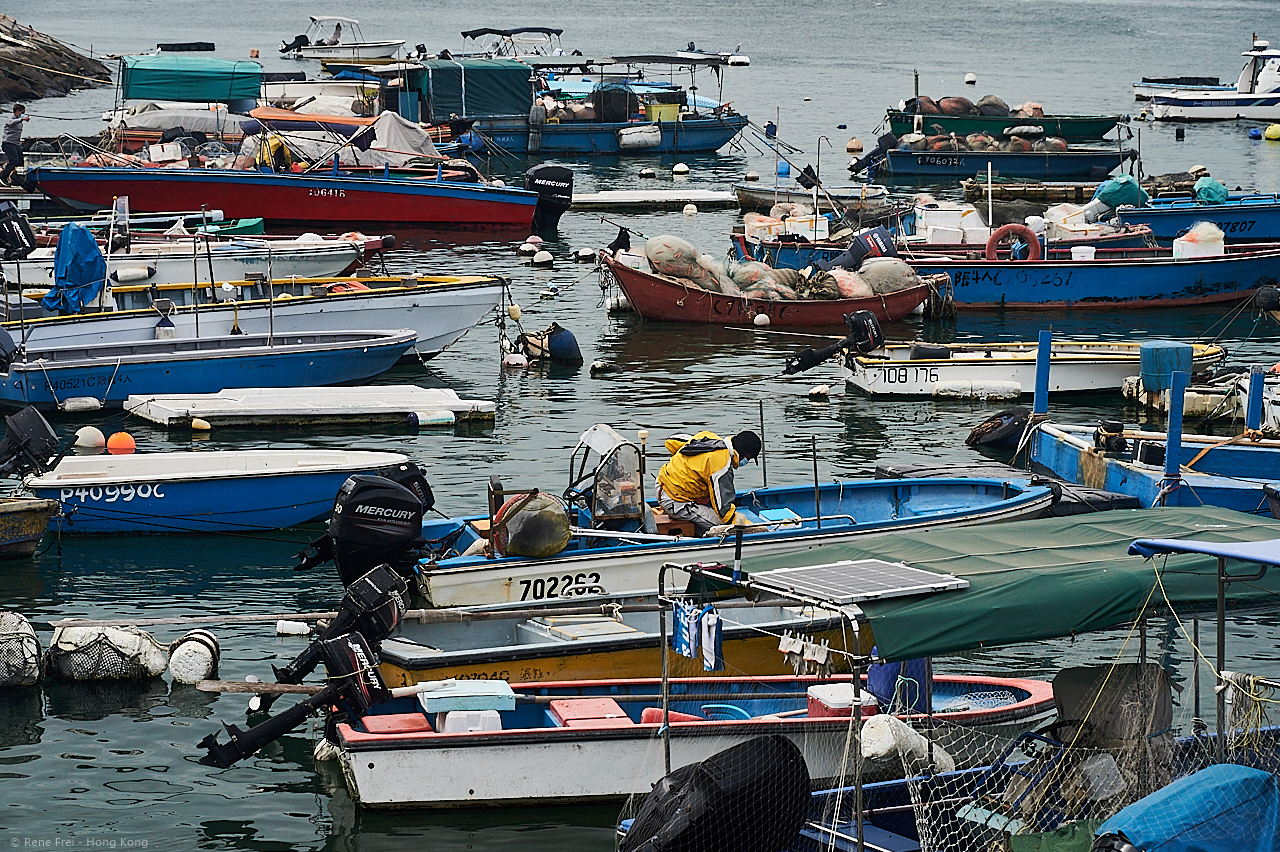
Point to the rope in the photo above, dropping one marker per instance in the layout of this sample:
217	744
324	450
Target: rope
56	71
1247	434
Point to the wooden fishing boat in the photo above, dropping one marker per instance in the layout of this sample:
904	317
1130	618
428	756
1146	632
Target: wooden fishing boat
659	297
1242	218
1060	165
1073	128
438	308
295	198
1001	370
96	376
546	743
199	492
22	523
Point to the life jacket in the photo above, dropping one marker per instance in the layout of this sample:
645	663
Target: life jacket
701	471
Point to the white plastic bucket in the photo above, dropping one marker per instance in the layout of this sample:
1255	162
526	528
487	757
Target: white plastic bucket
1083	252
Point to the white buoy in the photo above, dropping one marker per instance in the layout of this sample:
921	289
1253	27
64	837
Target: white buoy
751	176
75	404
806	99
761	320
679	169
617	304
971	79
194	657
691	210
648	172
90	436
292	628
200	424
325	751
820	392
543	258
513	311
498	182
534	240
854	146
584	255
514	359
527	250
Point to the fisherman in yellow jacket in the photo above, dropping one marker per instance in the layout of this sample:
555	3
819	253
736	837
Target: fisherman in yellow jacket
697	484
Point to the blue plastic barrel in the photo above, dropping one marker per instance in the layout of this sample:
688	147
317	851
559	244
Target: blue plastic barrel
1160	358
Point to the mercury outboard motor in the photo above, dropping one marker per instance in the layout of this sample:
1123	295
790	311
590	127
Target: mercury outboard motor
16	237
554	185
752	796
354	685
30	444
376	520
372	607
298	41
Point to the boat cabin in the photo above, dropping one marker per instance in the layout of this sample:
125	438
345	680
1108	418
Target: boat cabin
1261	72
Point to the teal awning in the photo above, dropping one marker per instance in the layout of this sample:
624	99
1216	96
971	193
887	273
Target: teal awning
166	77
474	88
1049	578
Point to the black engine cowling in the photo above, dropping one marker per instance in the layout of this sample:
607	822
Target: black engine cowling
751	796
864	331
554	185
17	240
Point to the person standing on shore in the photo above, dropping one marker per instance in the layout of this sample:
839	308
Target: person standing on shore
11	142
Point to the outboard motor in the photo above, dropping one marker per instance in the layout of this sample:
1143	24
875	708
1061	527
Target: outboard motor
884	144
354	685
372	607
16	237
377	519
29	444
864	331
1109	437
298	41
752	796
554	185
869	242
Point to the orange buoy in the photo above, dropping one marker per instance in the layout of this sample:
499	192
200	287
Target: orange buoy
121	443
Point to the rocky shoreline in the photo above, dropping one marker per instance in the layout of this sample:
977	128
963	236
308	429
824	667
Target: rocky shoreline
33	65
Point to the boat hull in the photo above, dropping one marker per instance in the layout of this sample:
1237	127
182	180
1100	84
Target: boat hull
1253	219
440	314
283	199
22	523
656	297
355	51
880	506
1064	165
560	765
1228	476
206	365
866	199
125	501
1073	128
1074	368
690	136
1208	105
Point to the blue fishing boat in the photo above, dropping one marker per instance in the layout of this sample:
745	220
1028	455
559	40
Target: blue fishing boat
1044	165
87	377
1114	278
199	492
1242	218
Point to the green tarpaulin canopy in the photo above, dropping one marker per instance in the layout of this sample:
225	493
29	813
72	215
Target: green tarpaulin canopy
473	88
166	77
1046	579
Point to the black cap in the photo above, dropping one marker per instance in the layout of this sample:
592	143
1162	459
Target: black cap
747	445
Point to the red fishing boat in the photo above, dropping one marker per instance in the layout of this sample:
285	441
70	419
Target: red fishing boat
660	297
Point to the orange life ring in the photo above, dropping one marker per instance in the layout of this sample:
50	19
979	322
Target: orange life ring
1027	235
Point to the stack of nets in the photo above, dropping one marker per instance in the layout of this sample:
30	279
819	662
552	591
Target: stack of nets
19	651
104	653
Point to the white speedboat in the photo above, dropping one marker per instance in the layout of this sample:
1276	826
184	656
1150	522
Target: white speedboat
1001	370
1256	94
331	37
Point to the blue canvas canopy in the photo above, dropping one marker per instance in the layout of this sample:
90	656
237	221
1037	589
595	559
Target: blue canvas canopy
78	268
1224	808
167	77
1262	552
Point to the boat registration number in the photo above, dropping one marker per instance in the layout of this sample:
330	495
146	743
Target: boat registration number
561	586
903	375
938	160
1236	227
327	193
111	493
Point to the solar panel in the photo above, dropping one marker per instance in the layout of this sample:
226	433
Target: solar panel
850	581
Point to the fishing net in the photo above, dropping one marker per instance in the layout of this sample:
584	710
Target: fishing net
104	653
19	651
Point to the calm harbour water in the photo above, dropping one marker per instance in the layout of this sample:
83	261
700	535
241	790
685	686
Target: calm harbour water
111	766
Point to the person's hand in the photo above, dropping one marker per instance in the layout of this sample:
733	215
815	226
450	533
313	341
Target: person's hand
26	118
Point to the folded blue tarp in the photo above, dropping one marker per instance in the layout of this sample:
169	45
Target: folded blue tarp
79	270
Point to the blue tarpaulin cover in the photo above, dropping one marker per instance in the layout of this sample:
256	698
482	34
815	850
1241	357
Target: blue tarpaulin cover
1223	808
1210	191
1266	552
78	268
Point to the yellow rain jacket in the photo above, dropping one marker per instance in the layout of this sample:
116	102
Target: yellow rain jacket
701	471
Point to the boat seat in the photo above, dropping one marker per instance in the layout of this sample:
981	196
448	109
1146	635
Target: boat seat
724	712
589	712
784	517
570	628
397	723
